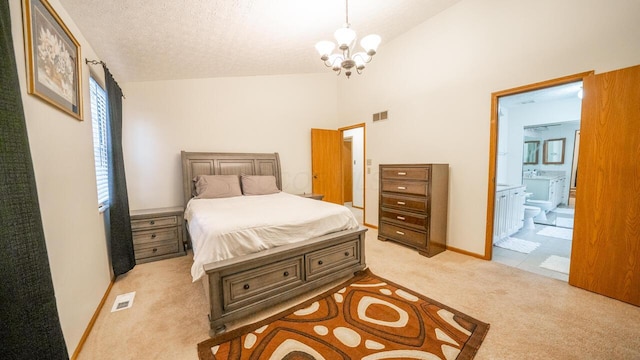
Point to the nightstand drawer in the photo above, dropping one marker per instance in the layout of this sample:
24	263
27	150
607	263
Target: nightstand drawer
156	249
405	187
148	236
154	222
421	173
331	259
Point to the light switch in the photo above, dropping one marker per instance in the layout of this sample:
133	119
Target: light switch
368	161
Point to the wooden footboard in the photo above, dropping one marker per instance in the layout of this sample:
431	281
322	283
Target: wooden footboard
241	286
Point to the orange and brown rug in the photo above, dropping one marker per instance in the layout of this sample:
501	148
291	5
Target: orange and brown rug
367	318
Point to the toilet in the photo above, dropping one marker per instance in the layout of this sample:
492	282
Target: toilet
529	213
544	205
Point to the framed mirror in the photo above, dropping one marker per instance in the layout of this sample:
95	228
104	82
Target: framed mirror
553	152
530	152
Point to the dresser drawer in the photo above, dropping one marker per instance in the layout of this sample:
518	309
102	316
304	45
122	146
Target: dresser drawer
405	187
414	220
404	203
156	249
154	222
148	236
331	259
261	283
404	235
421	173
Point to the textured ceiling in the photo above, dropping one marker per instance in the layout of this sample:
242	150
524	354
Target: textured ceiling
144	40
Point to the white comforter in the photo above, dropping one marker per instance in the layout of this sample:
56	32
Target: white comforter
229	227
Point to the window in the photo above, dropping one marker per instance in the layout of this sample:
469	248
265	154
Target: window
100	146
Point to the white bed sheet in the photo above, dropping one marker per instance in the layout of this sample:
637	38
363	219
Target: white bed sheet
228	227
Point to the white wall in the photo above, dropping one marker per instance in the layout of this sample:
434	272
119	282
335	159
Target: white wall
357	150
62	152
241	114
436	81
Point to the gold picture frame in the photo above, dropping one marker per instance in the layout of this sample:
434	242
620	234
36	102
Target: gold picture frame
53	58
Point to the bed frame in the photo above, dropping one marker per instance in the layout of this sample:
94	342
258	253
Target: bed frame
244	285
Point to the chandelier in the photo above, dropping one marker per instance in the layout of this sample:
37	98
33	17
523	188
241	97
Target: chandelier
346	58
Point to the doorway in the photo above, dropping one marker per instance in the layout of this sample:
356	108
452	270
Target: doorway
531	221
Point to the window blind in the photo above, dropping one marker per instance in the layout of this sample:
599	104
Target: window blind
100	147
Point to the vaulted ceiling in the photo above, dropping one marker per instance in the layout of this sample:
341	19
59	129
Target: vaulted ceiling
145	40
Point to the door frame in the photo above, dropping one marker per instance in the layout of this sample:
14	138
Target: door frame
364	164
493	145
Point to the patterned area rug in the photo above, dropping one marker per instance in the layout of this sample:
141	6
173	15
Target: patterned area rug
366	318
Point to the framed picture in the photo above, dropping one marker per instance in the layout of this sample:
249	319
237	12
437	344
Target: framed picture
53	58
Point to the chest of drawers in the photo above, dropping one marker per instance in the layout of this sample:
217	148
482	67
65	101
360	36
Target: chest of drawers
413	203
157	234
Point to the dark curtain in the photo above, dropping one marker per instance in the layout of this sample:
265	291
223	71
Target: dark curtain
121	241
29	323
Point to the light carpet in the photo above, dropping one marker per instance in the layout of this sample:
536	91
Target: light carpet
556	232
519	245
556	263
564	222
367	317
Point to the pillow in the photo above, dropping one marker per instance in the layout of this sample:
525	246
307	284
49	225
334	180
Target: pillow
259	185
217	186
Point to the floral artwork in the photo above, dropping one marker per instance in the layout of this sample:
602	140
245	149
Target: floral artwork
53	62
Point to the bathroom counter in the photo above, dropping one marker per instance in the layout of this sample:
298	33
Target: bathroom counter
502	187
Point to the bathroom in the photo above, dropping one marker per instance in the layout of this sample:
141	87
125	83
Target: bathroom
538	134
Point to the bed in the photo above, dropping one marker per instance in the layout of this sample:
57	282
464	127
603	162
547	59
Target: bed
268	272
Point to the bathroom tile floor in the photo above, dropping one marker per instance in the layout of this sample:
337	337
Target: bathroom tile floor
548	246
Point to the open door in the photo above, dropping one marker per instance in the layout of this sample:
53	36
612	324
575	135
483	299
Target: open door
605	255
347	169
326	164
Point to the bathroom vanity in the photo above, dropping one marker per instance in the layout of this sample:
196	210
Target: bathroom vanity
546	187
508	211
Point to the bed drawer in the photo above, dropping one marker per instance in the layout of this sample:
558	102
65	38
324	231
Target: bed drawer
418	173
401	234
154	222
261	283
148	236
156	249
405	187
320	262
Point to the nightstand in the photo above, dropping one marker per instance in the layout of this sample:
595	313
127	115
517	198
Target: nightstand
312	196
157	233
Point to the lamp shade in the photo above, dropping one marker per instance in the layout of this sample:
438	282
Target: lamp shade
370	43
345	36
325	47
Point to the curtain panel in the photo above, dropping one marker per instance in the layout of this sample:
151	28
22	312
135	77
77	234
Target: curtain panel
121	240
29	323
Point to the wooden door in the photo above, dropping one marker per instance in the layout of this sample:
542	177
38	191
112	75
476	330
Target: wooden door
326	164
605	255
347	170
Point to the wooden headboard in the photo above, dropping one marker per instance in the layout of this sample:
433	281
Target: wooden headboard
210	163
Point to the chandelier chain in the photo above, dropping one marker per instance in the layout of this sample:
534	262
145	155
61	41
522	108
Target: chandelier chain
347	12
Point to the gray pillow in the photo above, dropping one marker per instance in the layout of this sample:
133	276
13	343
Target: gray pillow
259	184
217	186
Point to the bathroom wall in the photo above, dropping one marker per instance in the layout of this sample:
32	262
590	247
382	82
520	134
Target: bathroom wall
357	149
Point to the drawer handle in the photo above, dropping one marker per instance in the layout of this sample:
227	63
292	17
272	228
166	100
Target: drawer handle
153	236
402	188
399	233
346	253
246	286
402	173
320	262
401	203
154	249
286	273
400	218
152	222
